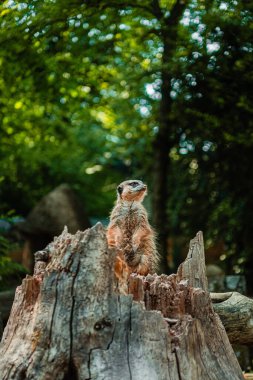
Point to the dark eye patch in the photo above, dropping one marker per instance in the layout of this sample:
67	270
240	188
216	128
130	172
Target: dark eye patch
134	184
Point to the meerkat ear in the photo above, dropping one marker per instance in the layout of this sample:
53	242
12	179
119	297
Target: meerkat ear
120	189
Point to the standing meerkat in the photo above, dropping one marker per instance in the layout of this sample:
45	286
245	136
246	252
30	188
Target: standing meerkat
129	230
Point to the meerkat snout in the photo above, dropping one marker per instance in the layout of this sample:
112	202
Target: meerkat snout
132	190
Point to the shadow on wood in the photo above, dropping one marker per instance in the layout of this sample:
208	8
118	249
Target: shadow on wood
68	322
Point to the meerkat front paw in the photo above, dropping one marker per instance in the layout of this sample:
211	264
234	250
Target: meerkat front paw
135	246
135	243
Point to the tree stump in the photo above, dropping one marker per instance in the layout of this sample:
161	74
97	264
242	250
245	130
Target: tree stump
69	322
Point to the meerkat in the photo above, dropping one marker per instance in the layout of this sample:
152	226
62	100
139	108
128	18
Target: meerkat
129	230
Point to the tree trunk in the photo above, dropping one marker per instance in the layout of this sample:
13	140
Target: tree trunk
69	322
166	135
234	309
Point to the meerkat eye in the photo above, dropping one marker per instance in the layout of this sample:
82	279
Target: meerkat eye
134	184
120	189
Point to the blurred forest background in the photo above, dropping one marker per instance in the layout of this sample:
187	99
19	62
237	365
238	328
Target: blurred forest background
96	92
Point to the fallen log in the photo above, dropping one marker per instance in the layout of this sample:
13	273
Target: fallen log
236	314
68	321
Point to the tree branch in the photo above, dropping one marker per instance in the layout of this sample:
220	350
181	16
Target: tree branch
176	13
157	9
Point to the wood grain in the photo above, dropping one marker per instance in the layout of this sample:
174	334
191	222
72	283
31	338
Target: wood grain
68	322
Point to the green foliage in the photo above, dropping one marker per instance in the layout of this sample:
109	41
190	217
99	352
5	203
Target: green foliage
79	101
68	105
10	271
6	265
215	148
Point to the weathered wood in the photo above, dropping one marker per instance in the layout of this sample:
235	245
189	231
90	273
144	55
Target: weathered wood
199	338
193	268
236	313
241	309
67	321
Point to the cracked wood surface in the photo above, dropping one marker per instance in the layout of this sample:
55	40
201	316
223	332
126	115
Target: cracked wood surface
68	322
236	314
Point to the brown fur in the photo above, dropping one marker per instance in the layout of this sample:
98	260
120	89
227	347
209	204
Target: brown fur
130	232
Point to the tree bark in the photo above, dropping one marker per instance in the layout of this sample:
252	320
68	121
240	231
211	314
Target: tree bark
69	322
166	135
236	313
234	309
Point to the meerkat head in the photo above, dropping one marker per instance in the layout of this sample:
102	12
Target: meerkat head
132	190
